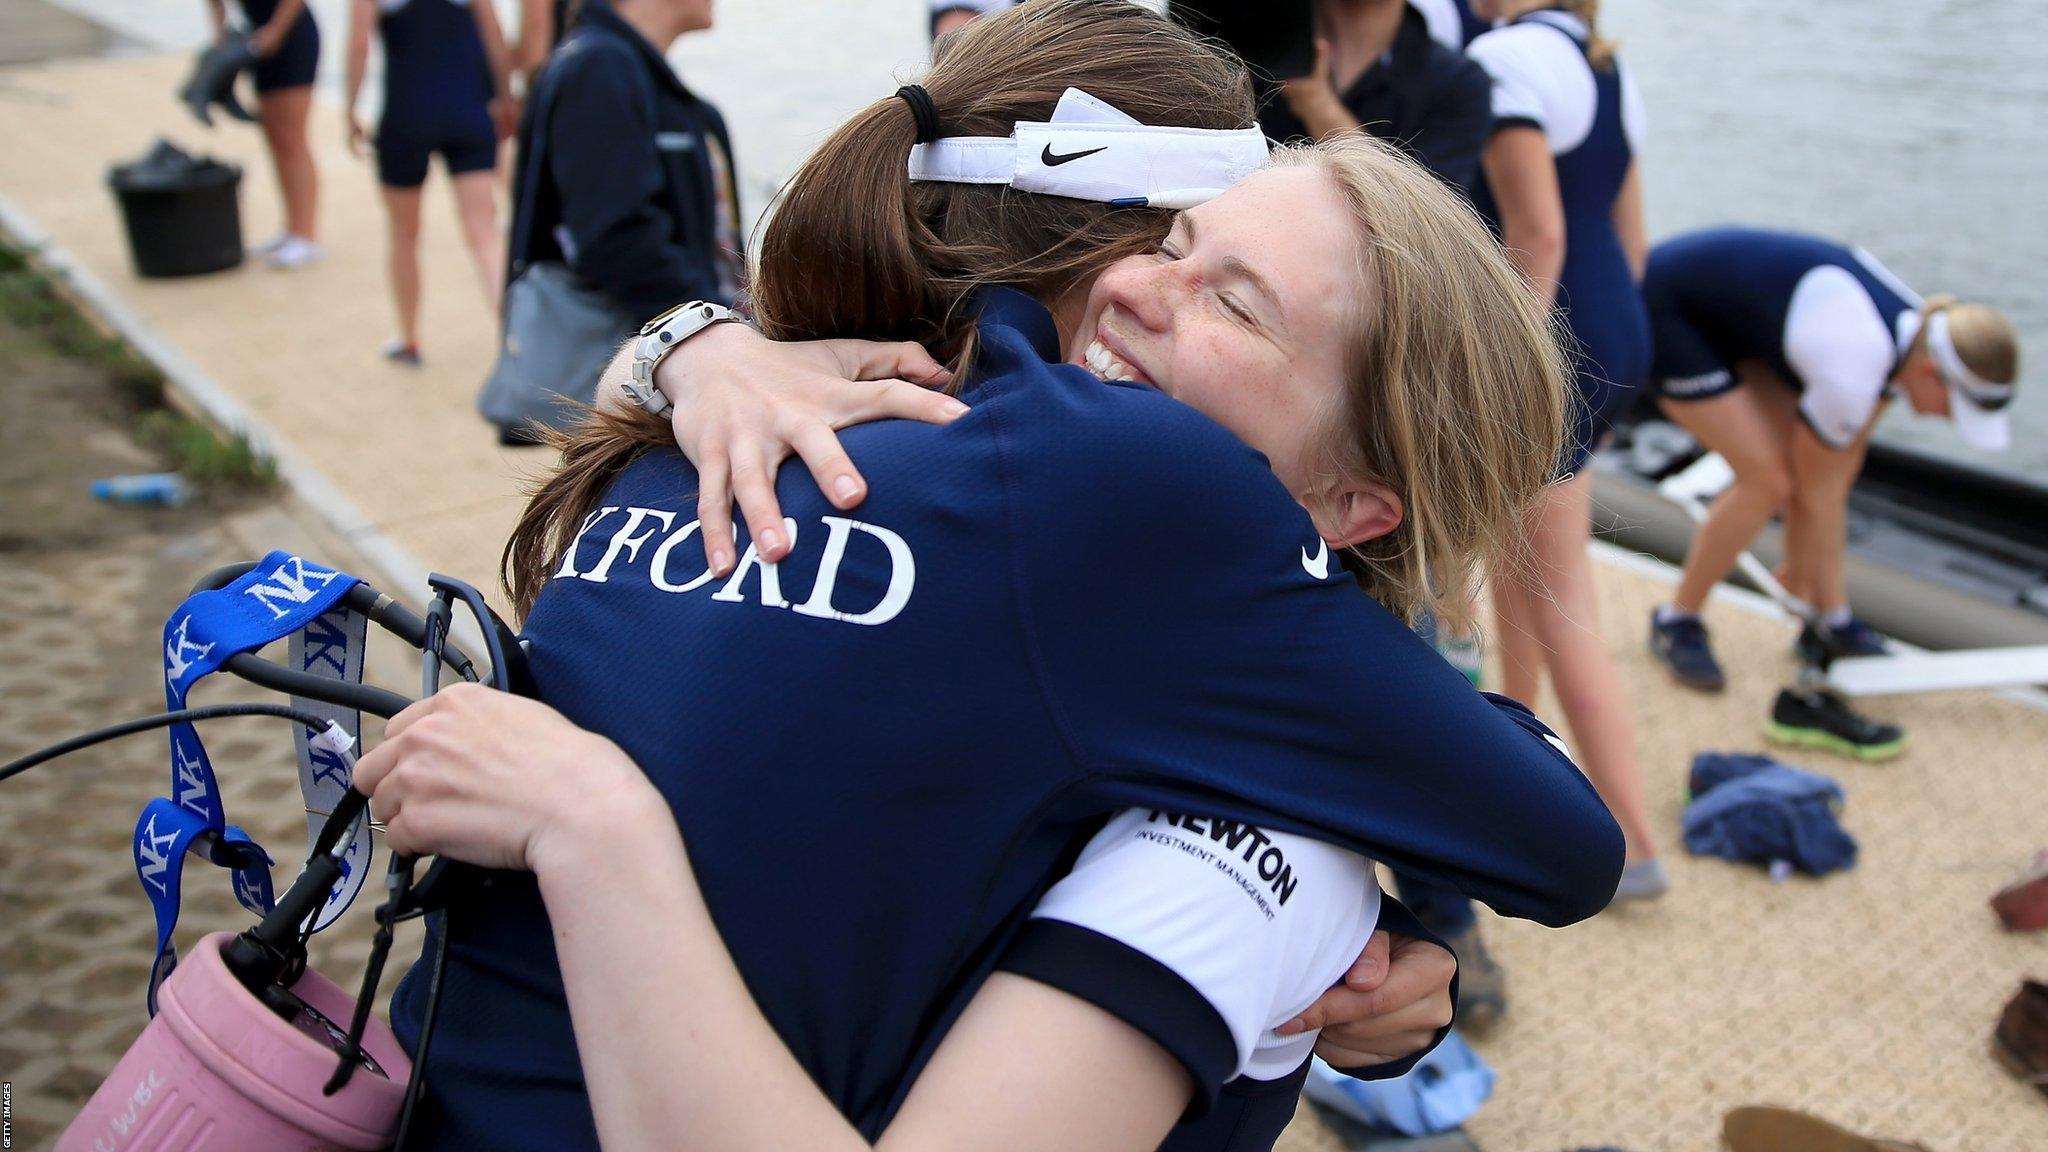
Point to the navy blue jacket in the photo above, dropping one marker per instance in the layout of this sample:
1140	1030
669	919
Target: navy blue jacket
1431	102
628	172
1078	598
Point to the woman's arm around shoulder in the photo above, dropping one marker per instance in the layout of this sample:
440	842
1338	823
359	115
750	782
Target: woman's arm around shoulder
677	1056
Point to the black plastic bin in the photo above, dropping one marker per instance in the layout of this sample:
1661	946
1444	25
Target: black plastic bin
182	211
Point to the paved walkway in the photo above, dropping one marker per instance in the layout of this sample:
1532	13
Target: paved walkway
297	350
1866	996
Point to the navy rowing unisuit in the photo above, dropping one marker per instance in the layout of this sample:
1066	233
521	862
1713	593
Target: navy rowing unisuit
297	59
1591	118
1827	319
1080	599
437	92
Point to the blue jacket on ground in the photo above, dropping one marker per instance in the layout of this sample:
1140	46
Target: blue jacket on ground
637	194
1079	598
1754	810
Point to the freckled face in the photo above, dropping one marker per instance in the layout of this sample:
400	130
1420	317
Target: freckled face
1243	313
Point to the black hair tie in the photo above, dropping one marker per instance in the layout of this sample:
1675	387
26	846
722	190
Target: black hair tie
924	110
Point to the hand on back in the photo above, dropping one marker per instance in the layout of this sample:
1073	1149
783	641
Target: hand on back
744	404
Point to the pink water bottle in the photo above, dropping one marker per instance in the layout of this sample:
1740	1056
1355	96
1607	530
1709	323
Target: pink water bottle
217	1071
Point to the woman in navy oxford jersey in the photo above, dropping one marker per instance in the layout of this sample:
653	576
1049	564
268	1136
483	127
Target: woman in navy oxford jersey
1117	596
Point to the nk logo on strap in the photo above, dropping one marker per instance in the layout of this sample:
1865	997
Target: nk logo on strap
283	596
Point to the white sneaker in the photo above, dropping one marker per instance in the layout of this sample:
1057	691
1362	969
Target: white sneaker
295	252
263	248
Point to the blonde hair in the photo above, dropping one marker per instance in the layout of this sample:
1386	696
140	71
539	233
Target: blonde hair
1599	52
1982	337
1458	388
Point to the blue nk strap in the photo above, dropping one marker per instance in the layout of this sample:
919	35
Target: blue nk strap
280	597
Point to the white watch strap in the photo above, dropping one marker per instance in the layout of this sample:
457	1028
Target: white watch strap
661	336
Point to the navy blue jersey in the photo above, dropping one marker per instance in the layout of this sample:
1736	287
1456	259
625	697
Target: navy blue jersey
1080	598
1590	118
437	91
1828	319
297	59
435	74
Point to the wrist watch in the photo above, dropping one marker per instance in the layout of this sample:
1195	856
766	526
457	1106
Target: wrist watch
661	336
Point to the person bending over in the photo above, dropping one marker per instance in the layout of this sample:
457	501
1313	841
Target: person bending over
1780	352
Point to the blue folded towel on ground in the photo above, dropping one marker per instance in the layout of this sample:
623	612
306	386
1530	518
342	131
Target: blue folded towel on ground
1752	809
1442	1092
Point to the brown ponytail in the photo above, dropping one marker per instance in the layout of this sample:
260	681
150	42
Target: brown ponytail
855	249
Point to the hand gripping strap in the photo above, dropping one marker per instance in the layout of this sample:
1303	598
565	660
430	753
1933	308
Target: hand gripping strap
275	599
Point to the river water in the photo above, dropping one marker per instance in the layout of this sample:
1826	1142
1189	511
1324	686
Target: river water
1915	128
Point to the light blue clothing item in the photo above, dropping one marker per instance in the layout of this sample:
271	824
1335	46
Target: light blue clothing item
1440	1094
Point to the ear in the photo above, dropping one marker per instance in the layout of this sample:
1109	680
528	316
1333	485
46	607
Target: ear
1357	511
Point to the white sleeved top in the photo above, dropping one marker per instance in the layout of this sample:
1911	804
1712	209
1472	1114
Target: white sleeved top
1256	924
1541	78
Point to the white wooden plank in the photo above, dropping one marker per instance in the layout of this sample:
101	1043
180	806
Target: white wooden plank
1940	671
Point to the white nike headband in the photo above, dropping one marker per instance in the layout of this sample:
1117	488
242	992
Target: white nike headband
1092	151
1976	405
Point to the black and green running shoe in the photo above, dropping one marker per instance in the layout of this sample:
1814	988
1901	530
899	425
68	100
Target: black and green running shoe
1818	718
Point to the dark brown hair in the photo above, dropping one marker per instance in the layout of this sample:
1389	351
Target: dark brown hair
854	248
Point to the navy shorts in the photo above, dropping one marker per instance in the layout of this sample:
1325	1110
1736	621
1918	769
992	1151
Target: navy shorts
1610	354
403	151
1597	403
296	60
1683	363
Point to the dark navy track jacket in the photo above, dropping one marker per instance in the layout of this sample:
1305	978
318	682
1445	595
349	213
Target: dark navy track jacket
637	169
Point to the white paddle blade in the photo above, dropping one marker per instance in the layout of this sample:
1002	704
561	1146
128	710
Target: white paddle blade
1701	481
1939	671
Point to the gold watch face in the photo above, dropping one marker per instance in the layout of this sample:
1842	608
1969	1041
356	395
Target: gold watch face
648	328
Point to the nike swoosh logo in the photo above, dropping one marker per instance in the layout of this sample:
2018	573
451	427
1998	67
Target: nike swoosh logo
1319	567
1052	159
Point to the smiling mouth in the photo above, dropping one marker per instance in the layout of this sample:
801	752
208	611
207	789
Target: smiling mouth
1108	365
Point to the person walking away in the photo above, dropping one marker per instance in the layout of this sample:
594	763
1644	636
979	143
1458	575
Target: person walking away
1563	187
1780	352
286	42
447	90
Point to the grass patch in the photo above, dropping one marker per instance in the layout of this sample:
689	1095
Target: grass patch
204	455
30	302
